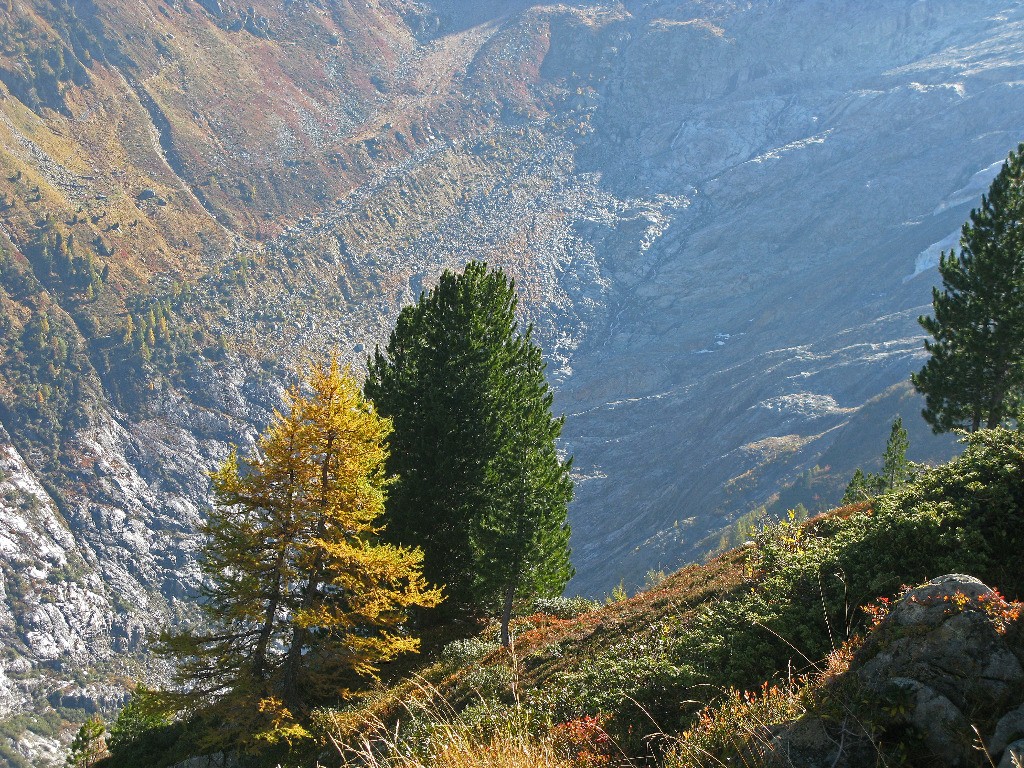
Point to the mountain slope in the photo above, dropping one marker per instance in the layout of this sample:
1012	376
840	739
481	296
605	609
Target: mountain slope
808	619
710	209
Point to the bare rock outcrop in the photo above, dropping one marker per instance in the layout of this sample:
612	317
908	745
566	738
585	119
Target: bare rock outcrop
939	682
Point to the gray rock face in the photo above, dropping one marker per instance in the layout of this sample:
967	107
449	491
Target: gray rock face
217	760
940	636
1010	728
942	725
746	334
88	582
940	670
1013	757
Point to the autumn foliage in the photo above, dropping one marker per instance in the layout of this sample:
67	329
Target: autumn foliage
303	601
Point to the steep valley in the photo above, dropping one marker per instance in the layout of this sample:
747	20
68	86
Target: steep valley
723	219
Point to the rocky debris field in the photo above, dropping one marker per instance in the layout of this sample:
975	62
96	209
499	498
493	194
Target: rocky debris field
722	218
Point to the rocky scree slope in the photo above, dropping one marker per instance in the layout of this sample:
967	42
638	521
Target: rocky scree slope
721	217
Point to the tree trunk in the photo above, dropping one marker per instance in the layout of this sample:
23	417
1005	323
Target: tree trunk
293	697
259	656
506	615
290	692
995	414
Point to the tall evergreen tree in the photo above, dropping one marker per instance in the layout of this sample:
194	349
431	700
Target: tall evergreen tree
975	375
895	467
480	486
302	598
522	544
88	747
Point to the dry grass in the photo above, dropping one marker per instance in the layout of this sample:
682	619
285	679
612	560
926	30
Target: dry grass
459	750
432	734
377	731
414	687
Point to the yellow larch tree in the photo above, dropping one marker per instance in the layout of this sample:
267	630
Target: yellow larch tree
303	601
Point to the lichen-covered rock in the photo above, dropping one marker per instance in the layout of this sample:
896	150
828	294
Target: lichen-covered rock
941	636
928	604
942	669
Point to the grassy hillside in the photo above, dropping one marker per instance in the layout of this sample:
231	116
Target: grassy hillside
653	675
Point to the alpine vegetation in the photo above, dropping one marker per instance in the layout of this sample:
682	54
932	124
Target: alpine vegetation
303	600
975	375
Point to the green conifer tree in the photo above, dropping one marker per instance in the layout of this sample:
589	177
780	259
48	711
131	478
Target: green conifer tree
896	470
895	467
522	544
976	370
480	487
138	717
860	488
88	747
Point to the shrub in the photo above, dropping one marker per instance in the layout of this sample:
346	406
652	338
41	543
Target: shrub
564	607
808	583
493	682
583	742
459	653
638	685
739	727
139	716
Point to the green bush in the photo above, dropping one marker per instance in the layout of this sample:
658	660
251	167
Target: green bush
460	653
639	684
808	583
493	682
564	607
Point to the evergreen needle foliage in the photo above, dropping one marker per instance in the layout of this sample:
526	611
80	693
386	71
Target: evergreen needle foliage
896	470
88	747
303	600
975	376
480	485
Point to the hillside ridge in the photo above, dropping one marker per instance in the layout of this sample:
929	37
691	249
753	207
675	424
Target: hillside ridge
709	210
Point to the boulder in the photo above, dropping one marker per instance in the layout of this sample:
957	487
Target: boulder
942	726
941	636
943	667
929	604
1013	757
1009	728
